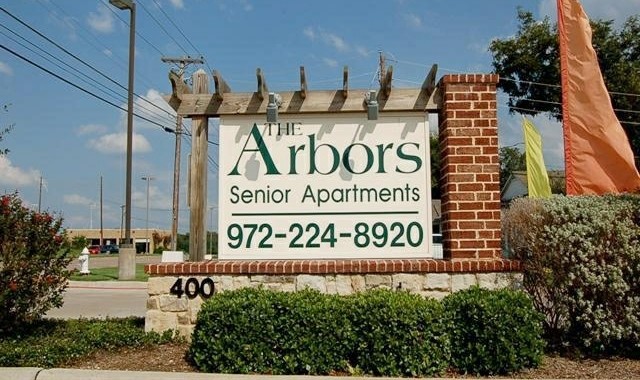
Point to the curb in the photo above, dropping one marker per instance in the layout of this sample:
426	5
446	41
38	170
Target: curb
84	374
127	285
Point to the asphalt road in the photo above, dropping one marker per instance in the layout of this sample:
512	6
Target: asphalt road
103	299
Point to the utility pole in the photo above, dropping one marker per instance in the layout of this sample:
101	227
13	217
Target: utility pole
40	195
101	229
182	63
148	179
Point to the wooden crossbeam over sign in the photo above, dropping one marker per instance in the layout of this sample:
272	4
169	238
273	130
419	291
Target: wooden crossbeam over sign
225	102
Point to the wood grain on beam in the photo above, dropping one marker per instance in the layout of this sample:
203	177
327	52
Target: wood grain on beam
345	81
221	87
263	90
321	101
303	83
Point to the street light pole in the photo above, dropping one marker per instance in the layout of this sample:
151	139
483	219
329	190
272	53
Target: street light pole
148	179
126	260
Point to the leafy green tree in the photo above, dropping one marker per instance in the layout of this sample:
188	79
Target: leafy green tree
529	68
33	263
511	159
79	242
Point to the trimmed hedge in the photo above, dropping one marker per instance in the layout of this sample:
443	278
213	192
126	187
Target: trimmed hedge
379	332
493	332
262	331
398	334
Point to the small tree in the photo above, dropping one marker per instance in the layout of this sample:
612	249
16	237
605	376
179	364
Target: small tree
79	242
33	263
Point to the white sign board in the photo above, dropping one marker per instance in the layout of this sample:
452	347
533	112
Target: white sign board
324	187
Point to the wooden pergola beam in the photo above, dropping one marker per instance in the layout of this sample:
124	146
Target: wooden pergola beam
178	89
221	87
385	85
320	101
263	90
345	81
429	84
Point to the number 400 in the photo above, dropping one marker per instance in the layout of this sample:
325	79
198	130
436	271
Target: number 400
193	288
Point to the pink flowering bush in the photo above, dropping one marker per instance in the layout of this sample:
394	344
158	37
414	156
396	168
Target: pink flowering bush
33	263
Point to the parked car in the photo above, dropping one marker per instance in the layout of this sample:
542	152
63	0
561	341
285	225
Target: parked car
94	249
110	248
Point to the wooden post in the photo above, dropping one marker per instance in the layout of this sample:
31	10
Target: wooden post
198	174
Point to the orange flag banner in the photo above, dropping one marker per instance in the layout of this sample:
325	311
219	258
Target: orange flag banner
598	156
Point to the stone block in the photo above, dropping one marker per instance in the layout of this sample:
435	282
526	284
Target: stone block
439	281
173	303
377	281
241	282
344	285
160	285
183	318
267	279
185	331
358	283
462	281
318	283
194	307
509	280
153	303
408	281
159	321
224	283
487	280
331	284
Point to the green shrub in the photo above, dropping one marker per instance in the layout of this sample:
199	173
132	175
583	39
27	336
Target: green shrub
33	263
50	343
493	332
378	332
261	331
398	334
581	266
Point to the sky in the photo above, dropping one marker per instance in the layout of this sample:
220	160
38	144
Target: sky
71	138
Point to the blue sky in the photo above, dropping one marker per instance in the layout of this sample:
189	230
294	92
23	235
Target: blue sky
70	138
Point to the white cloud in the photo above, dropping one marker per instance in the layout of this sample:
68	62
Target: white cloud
597	9
178	4
90	129
247	6
15	176
76	199
6	69
413	20
361	50
336	41
107	52
330	62
116	143
328	38
310	33
102	21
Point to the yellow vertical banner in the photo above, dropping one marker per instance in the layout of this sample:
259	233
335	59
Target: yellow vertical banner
537	177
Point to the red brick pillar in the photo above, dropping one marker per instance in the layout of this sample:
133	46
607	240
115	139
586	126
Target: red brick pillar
470	174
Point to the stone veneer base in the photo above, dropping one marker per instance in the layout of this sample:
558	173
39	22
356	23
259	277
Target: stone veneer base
429	278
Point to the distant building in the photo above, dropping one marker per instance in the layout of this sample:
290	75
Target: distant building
115	236
517	187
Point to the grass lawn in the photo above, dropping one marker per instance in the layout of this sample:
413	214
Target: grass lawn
108	274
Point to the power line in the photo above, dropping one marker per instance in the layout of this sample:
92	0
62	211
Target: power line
161	26
75	85
76	57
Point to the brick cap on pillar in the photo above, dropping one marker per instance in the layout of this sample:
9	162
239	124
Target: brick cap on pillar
333	266
469	78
